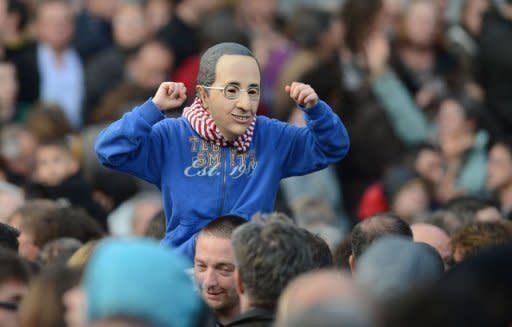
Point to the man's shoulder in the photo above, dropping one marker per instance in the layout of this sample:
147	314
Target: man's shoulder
256	317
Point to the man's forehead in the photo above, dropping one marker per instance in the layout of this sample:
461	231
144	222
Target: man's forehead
210	238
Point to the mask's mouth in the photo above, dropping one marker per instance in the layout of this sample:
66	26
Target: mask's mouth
242	118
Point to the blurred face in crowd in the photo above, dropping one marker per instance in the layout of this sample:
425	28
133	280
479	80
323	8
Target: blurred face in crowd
102	8
214	270
129	24
144	212
11	293
151	66
452	119
335	35
53	165
258	11
27	249
411	200
158	13
21	160
394	9
429	165
8	90
74	301
472	14
9	202
55	25
232	110
421	22
204	6
499	168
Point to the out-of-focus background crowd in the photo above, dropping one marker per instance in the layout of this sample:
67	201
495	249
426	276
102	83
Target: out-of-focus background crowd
423	86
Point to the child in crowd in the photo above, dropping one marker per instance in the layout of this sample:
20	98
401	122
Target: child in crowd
57	176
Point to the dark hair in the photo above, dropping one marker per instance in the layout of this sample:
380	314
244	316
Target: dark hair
60	143
218	27
268	256
76	223
307	25
20	8
12	267
207	66
472	107
394	180
445	220
342	253
359	17
478	292
156	226
48	122
48	222
223	226
466	207
9	237
117	186
40	217
322	256
369	230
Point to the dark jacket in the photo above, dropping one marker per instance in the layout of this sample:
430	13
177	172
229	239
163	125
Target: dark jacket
73	190
254	318
495	63
181	38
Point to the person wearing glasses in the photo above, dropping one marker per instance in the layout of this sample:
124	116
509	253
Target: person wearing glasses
219	157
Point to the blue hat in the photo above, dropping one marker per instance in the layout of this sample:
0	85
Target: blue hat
140	279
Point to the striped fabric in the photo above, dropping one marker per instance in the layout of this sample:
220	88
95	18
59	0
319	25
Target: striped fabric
203	124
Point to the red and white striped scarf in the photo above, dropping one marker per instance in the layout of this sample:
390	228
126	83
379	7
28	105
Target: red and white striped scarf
202	122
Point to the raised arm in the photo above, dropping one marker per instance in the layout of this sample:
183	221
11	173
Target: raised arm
322	142
134	143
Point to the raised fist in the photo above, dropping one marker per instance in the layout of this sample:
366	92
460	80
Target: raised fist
303	94
170	95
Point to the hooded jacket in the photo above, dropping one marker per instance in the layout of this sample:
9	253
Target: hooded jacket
201	181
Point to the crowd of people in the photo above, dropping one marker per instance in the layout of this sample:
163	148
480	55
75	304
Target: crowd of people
290	163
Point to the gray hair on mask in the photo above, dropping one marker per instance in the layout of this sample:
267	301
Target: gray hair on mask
208	64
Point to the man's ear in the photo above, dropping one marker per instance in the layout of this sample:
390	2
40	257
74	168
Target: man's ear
238	283
352	263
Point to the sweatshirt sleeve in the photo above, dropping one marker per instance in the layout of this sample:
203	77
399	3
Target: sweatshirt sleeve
407	119
322	142
133	144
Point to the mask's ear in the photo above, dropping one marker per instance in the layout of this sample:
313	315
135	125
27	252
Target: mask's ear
201	93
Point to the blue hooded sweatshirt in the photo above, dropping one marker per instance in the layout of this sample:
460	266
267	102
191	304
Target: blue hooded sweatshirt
201	181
